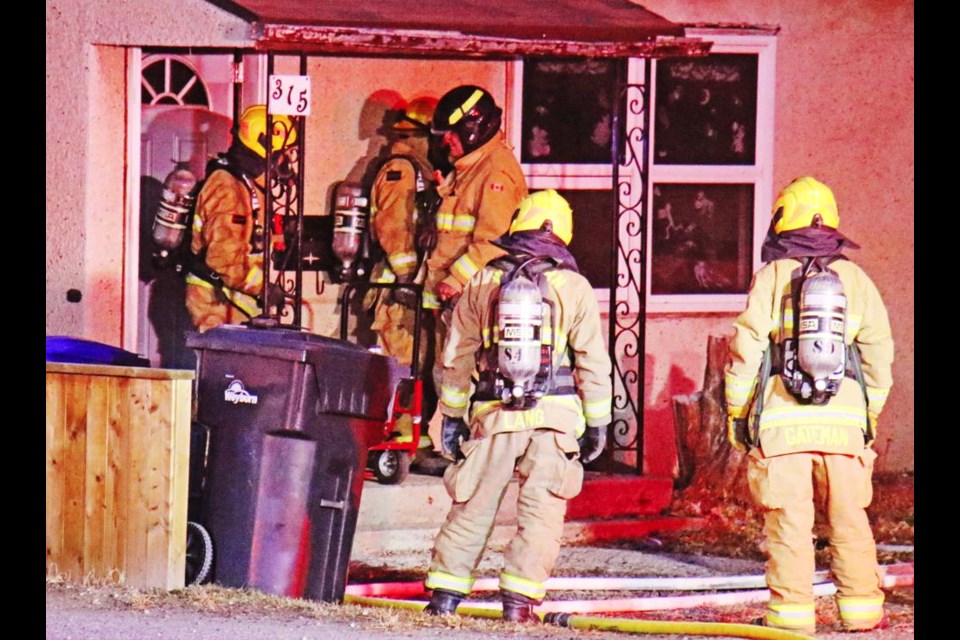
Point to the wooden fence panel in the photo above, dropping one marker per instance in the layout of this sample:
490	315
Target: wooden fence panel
118	445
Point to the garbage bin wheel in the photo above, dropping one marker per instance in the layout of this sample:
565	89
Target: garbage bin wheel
199	554
390	466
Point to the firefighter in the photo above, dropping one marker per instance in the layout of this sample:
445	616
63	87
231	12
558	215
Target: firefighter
225	277
546	432
479	195
800	441
402	202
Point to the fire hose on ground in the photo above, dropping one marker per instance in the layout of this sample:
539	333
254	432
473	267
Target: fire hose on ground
736	590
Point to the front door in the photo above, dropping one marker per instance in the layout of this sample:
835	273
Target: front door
179	128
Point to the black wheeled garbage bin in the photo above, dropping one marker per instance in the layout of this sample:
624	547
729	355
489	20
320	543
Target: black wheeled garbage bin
290	417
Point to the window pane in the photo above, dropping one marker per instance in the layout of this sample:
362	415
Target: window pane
706	110
592	243
568	110
702	238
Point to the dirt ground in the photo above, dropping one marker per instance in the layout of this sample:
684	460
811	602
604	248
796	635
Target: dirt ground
728	547
208	612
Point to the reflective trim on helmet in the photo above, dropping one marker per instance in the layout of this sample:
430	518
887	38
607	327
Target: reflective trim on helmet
464	109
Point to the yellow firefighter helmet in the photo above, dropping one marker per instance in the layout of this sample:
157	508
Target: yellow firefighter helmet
253	127
799	203
540	207
415	118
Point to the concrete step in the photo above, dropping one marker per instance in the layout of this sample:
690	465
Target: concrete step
406	517
376	542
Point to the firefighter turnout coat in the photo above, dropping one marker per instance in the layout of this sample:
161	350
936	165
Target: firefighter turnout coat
539	442
227	211
393	210
803	447
393	222
479	196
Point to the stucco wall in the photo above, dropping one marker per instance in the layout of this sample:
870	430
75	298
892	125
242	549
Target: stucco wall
85	159
844	113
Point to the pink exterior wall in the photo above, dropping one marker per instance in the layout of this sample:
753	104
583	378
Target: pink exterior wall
87	148
844	113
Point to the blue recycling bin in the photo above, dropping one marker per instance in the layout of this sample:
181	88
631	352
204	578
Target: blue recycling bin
80	351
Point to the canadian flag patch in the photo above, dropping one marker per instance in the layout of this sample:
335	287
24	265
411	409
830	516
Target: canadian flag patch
496	186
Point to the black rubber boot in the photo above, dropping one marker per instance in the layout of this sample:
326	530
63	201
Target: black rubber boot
443	602
518	607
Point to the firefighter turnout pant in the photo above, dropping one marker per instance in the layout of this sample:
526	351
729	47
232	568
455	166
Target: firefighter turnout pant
211	306
786	486
549	475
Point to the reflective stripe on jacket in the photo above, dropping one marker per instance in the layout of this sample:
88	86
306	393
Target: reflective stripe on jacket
479	199
393	208
785	424
577	331
223	225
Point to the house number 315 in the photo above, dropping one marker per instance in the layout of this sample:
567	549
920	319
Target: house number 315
290	95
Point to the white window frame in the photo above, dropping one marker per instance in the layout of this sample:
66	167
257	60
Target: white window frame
573	176
600	176
759	174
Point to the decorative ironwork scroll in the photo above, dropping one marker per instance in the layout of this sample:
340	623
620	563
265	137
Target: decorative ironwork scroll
628	292
283	203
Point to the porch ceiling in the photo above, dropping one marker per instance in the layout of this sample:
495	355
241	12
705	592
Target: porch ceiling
464	28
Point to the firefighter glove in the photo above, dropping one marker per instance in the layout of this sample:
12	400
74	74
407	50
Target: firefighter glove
275	295
405	296
453	433
871	434
735	431
592	442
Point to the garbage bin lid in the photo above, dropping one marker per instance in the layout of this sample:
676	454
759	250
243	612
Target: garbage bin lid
283	343
355	380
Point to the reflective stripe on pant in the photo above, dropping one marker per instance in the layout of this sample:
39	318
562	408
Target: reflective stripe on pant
786	485
547	480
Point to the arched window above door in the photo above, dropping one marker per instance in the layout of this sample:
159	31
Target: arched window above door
168	80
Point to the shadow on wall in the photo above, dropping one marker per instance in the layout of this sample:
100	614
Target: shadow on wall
376	113
166	290
659	433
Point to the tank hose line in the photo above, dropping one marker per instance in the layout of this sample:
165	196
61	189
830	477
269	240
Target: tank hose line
739	590
626	625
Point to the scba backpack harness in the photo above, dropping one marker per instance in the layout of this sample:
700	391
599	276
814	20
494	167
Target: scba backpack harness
173	224
427	201
812	359
518	368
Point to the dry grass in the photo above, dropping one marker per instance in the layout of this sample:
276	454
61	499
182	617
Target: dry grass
735	527
734	530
